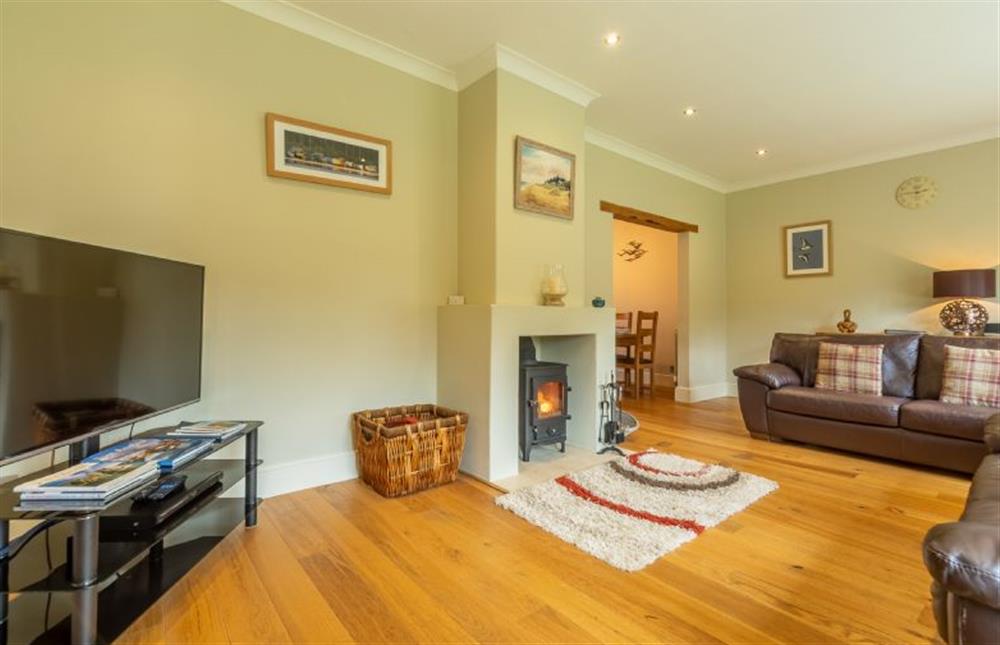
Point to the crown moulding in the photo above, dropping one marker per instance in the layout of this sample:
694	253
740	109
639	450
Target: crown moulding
496	57
312	24
500	57
651	159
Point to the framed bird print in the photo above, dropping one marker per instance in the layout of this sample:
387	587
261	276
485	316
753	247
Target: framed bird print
808	250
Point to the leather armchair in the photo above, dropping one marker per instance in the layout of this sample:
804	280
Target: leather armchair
753	383
963	558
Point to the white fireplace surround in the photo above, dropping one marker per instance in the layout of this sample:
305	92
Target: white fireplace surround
478	361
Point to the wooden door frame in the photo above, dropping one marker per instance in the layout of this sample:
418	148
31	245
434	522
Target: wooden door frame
682	342
643	218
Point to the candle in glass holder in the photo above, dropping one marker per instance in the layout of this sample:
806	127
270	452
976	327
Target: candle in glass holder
554	287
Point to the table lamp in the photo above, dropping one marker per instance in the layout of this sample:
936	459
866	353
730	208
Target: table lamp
963	317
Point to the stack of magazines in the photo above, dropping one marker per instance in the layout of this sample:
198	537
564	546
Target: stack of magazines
110	473
215	430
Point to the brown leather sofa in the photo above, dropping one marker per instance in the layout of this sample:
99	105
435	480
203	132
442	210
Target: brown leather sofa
963	558
778	401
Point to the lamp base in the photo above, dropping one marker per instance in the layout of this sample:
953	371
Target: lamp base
964	318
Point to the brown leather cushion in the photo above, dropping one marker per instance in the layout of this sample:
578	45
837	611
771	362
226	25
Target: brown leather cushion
799	352
840	406
985	488
946	419
899	357
992	433
931	364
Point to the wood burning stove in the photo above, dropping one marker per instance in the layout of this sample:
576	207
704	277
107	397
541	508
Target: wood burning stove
544	408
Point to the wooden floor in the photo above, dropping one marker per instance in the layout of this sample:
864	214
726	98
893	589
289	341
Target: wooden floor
833	556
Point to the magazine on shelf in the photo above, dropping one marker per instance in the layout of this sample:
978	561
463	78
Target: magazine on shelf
116	469
167	452
96	480
217	430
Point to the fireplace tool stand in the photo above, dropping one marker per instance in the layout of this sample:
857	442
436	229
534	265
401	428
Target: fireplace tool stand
612	432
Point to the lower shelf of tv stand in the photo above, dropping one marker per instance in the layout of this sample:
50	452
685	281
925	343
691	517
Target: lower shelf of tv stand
43	567
132	574
42	611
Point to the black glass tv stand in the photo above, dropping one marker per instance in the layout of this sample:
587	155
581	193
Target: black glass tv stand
73	583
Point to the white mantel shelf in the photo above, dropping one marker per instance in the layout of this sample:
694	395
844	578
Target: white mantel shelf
478	360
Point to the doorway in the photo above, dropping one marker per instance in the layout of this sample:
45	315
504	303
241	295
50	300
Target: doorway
648	253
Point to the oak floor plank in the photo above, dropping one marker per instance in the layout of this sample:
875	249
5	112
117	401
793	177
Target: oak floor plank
431	548
398	595
305	615
255	619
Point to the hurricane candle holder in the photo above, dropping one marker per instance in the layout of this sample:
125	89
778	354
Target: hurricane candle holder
554	287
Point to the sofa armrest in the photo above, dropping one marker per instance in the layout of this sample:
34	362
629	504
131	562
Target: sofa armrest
964	558
991	433
773	375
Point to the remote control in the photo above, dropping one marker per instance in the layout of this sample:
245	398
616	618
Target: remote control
161	489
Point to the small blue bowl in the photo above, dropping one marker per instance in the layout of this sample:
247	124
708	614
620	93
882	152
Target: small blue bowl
598	302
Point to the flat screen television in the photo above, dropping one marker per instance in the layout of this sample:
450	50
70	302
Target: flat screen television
91	339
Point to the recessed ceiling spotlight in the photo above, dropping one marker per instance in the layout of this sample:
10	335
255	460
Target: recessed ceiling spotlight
612	39
690	111
761	152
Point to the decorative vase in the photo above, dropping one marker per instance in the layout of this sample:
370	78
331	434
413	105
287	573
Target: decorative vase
598	302
847	326
554	287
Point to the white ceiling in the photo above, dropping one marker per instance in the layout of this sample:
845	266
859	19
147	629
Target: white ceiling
821	85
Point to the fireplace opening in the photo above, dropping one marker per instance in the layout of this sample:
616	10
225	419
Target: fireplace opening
542	393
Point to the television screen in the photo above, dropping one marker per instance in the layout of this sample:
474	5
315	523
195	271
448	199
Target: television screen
91	338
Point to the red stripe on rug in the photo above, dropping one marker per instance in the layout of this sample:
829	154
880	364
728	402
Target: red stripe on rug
636	456
583	493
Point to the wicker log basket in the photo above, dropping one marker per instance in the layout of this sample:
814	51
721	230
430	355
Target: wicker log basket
396	457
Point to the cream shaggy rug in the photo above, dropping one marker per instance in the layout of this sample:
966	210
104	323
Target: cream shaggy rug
632	510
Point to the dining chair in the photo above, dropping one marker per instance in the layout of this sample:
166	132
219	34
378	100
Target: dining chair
623	321
643	356
623	342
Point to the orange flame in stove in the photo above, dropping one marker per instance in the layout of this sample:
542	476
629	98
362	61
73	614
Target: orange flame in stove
548	398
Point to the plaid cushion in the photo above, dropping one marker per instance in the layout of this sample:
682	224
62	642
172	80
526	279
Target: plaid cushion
850	368
971	376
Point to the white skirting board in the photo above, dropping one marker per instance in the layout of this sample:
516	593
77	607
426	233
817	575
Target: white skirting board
278	479
701	392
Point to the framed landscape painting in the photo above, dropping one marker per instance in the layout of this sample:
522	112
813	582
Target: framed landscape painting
321	154
807	250
543	179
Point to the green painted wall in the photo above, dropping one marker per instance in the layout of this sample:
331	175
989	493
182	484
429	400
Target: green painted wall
526	241
477	189
883	254
141	126
701	256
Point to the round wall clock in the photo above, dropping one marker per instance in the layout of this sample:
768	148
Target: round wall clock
916	192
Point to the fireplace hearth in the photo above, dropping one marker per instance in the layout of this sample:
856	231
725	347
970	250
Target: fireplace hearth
542	395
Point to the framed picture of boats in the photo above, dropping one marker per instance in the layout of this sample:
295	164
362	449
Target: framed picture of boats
321	154
543	178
